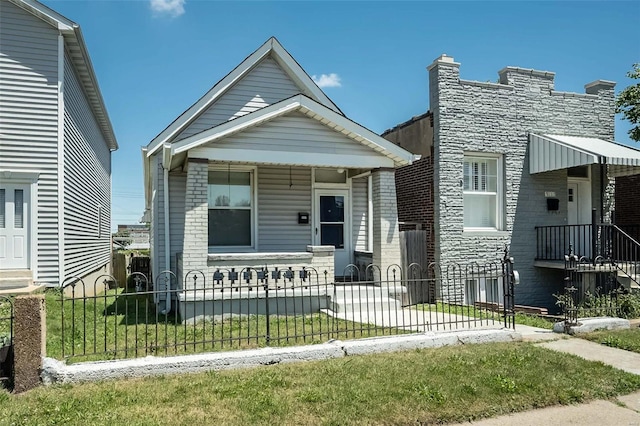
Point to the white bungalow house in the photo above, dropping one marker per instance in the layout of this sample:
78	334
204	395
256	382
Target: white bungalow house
265	170
55	151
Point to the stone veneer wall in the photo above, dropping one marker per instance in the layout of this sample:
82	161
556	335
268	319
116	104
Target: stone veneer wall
496	118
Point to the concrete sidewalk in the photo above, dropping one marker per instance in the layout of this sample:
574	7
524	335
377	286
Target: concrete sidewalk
623	411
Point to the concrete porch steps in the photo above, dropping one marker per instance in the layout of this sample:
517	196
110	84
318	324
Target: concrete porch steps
15	279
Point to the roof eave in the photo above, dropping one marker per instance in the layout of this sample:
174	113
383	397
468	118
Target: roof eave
313	110
271	47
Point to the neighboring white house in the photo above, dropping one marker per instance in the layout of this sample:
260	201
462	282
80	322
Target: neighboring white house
55	151
265	169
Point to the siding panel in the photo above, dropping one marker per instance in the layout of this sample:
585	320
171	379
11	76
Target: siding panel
87	183
266	84
177	191
28	121
278	207
295	133
360	207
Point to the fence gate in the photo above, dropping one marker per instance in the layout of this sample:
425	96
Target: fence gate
591	288
510	279
6	342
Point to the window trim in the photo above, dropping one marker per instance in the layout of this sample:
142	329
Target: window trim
499	192
253	179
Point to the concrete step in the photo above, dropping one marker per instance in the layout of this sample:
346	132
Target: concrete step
15	279
629	281
364	299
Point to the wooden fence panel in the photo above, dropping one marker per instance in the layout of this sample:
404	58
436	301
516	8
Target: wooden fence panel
413	249
119	266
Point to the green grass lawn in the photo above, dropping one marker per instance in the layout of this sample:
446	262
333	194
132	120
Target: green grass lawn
116	325
483	314
431	386
629	340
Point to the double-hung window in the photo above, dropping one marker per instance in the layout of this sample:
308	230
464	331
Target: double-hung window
230	199
482	188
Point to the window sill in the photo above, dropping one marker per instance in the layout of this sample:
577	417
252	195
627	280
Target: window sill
258	256
479	232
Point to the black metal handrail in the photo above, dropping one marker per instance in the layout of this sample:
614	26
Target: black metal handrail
622	249
591	241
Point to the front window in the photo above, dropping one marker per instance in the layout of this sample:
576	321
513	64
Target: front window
481	191
230	201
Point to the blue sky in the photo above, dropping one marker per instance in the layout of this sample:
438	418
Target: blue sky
155	58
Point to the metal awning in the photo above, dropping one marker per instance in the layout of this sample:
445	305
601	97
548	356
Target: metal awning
555	152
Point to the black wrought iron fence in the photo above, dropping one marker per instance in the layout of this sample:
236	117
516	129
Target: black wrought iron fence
6	341
250	308
591	288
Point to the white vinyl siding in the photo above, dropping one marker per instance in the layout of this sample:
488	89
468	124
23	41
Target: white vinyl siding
280	199
482	192
360	216
29	120
177	191
87	183
266	84
295	133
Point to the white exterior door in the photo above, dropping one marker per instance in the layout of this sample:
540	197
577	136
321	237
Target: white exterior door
579	213
14	229
572	204
332	225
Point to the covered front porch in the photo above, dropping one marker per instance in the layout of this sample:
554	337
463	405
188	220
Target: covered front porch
590	231
293	185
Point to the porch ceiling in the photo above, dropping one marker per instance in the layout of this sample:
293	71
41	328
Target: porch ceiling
555	152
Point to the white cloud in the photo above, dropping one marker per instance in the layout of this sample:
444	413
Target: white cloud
327	80
172	8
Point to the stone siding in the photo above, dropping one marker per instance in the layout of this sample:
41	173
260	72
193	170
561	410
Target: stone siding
497	118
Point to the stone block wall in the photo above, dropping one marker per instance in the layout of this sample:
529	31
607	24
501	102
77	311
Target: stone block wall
496	118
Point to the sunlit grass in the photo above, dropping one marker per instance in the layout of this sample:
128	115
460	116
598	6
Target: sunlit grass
484	314
629	340
453	384
120	325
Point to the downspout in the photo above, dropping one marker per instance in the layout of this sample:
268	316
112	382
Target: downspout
370	213
166	161
61	175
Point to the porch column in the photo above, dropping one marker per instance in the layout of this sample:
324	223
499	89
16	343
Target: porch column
386	236
196	217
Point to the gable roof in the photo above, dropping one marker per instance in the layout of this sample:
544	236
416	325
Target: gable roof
271	47
79	58
305	105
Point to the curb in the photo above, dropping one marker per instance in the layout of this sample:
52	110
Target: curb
54	371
